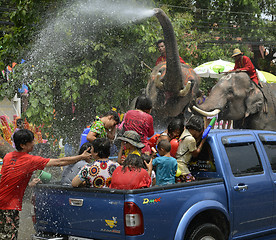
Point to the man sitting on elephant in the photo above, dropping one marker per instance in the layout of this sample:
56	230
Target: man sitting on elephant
162	49
243	63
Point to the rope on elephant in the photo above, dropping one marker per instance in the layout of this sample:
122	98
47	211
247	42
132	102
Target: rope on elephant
265	108
271	96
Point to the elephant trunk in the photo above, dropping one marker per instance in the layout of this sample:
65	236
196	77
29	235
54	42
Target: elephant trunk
173	69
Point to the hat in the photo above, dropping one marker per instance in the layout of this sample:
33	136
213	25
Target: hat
236	52
133	138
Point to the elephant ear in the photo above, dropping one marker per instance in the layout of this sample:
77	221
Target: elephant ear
254	102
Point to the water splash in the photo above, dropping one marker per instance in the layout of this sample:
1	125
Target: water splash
71	32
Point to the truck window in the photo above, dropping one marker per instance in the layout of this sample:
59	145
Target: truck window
244	159
270	148
204	162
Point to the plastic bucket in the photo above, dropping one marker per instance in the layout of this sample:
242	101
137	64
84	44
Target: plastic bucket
83	136
45	177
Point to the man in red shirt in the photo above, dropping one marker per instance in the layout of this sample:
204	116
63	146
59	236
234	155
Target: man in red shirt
162	49
17	169
243	63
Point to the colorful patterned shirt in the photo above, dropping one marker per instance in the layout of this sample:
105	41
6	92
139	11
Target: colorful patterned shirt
98	174
98	128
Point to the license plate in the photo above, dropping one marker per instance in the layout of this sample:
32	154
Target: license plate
78	238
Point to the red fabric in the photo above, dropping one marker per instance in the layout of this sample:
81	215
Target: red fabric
244	63
153	140
142	123
163	59
174	146
17	170
130	179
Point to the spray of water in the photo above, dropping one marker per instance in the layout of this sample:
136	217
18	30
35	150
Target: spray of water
77	24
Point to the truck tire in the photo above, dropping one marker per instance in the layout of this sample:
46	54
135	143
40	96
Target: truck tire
206	231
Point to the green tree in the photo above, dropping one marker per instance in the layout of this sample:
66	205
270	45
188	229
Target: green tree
86	67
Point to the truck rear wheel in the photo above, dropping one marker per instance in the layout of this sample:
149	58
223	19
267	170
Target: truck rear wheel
206	231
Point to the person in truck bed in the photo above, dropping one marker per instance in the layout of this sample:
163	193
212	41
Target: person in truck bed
131	175
99	173
188	147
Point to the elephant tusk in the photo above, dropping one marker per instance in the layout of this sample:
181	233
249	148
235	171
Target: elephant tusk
157	81
207	114
186	90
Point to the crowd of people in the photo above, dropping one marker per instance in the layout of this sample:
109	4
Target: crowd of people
144	159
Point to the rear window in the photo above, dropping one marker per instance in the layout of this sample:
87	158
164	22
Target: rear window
244	159
204	162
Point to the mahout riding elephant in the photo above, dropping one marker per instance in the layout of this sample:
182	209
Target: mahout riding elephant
172	85
236	97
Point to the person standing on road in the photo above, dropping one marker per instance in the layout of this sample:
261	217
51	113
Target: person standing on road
18	167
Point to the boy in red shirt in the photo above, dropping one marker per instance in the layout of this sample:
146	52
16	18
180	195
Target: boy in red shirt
17	169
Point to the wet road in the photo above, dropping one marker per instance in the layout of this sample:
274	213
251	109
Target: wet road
26	224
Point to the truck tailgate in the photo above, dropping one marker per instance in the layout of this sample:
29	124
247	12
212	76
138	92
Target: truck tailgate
79	212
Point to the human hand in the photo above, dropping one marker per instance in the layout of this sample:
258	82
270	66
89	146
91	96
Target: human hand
34	182
86	155
148	165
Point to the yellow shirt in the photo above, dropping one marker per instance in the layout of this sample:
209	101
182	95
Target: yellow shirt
134	152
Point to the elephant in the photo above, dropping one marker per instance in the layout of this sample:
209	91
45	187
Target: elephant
5	147
236	97
172	85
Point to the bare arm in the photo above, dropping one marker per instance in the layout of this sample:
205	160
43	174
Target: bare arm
111	133
196	152
91	136
76	181
120	153
149	166
69	160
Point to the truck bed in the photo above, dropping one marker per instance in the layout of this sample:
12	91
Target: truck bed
99	213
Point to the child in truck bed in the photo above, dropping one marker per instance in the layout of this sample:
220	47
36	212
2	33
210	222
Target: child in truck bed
130	144
188	147
131	175
97	174
166	165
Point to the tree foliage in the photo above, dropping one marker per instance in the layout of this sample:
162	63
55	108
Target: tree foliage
77	69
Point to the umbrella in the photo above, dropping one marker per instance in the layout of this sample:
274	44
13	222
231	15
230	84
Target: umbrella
266	76
213	68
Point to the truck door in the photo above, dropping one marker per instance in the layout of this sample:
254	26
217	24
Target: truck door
250	185
269	143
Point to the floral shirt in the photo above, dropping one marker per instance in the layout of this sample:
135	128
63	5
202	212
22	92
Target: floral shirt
98	128
98	174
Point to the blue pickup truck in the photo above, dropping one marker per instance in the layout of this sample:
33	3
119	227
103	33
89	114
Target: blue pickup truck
234	197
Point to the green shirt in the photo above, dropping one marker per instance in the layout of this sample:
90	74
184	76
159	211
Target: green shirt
98	128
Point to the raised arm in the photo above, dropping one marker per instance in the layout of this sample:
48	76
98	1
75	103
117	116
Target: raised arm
69	160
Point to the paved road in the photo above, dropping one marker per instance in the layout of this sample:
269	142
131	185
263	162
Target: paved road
26	224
